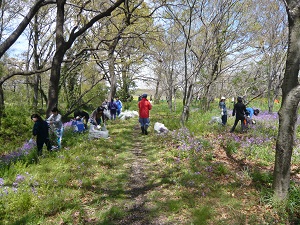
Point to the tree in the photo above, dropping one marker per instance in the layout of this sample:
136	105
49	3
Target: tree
288	112
11	39
122	41
63	45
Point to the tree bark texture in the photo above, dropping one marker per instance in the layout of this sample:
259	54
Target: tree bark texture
289	107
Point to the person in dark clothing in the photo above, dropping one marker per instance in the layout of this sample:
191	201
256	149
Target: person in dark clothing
113	109
41	131
83	115
239	112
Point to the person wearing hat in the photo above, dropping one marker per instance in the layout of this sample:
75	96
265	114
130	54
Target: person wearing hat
223	108
239	112
144	108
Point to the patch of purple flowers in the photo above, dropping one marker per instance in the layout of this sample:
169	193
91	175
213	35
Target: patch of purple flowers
23	151
18	185
186	141
27	147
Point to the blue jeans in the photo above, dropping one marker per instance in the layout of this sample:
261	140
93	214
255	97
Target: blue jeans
144	122
59	134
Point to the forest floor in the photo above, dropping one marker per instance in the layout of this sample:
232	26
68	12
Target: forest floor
242	205
135	179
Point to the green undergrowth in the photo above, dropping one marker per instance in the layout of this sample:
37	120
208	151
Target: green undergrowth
200	174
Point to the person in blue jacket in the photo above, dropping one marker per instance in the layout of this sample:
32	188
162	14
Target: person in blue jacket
78	125
119	106
84	117
250	112
41	131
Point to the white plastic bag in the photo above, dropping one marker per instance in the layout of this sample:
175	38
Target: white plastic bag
160	128
128	114
95	133
215	119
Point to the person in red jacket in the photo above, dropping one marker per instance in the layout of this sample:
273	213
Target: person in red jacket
144	107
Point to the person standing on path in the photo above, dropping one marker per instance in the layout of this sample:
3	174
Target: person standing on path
223	108
56	125
144	108
41	131
239	112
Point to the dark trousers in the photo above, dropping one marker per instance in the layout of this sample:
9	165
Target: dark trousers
113	113
40	143
224	119
236	122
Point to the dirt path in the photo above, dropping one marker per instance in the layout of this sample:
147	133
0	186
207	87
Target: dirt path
138	212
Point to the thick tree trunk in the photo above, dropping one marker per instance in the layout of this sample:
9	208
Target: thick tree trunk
57	59
285	142
289	107
62	46
54	82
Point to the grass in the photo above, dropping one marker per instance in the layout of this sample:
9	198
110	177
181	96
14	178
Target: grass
199	175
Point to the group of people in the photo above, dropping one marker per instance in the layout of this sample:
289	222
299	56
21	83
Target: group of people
107	110
81	118
100	115
241	113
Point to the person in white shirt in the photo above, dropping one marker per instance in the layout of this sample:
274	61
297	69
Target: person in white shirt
56	125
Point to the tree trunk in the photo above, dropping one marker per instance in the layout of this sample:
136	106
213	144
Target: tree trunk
57	59
156	94
186	107
113	80
289	106
2	106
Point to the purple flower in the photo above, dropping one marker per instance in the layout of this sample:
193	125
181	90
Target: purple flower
20	178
